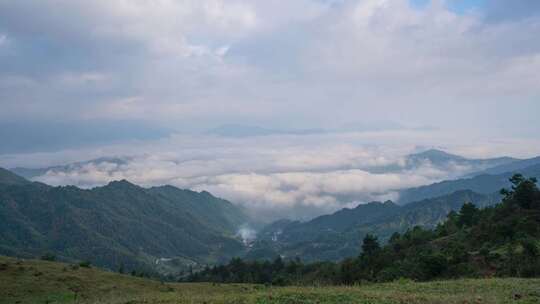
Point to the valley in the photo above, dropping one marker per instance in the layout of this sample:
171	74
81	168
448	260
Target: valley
168	232
269	152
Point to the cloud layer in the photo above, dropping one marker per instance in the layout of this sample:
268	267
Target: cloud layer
295	176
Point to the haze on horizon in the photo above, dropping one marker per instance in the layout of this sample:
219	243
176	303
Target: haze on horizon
276	105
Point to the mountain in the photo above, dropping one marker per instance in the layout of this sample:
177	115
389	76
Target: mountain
216	212
511	167
435	156
338	222
443	159
8	178
30	173
337	236
484	184
456	166
495	241
429	212
161	229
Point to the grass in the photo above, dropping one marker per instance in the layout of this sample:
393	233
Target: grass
34	281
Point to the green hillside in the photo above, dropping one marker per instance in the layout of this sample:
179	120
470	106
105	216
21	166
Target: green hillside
162	229
339	235
33	281
501	240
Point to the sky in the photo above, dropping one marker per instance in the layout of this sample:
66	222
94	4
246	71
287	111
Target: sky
377	79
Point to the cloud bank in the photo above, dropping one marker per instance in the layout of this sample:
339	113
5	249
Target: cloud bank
294	176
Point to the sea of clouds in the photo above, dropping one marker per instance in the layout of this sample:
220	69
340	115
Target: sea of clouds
293	176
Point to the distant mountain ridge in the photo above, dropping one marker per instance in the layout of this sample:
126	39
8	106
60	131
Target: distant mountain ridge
8	178
336	236
455	165
443	159
511	167
483	184
161	229
30	173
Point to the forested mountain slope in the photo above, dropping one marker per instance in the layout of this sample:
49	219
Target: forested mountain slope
337	236
501	240
158	229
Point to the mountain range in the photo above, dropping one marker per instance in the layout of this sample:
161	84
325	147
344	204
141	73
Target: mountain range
443	159
169	230
163	229
338	235
482	183
30	173
457	166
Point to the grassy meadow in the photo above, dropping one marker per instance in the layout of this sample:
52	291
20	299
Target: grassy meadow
35	281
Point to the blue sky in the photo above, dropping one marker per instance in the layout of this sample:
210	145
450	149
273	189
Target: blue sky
459	6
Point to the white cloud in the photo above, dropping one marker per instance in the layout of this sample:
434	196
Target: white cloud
295	176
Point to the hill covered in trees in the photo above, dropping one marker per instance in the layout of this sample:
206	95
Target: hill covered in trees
500	240
337	236
120	225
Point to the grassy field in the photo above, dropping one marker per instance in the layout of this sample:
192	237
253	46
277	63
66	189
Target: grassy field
32	281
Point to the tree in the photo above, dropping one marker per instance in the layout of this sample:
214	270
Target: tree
468	215
370	245
278	265
524	193
394	238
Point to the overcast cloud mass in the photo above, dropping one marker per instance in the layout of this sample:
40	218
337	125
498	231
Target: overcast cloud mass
375	79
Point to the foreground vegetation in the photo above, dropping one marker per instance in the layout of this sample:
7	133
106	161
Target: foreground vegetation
34	281
501	241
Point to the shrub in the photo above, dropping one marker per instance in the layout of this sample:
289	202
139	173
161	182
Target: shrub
85	264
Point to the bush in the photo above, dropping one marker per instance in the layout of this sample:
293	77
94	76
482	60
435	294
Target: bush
85	264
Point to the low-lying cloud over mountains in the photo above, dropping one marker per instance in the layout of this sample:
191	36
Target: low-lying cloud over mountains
294	176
